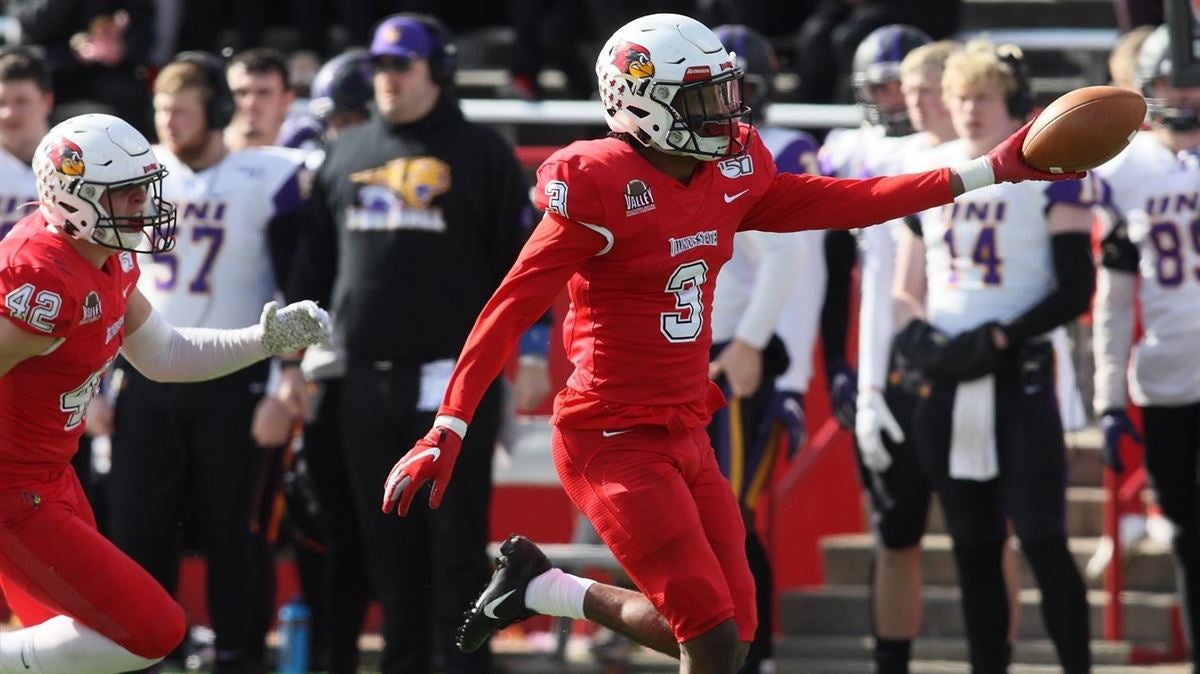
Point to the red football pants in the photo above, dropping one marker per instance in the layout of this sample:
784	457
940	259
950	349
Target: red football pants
54	562
660	503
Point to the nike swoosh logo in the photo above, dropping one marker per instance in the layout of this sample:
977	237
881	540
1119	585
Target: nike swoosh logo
490	609
435	452
730	198
610	434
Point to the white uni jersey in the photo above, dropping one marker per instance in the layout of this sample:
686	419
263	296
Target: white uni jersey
1157	193
18	190
988	254
219	275
861	152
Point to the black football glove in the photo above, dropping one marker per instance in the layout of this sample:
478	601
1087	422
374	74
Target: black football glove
966	356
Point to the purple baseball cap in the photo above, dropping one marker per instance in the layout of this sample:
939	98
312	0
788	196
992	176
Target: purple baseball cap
403	37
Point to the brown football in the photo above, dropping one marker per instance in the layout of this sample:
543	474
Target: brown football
1084	128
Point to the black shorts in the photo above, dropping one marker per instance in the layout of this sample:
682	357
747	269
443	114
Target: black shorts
900	495
1031	486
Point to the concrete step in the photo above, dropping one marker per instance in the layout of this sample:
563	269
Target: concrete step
1085	513
1149	566
844	611
858	649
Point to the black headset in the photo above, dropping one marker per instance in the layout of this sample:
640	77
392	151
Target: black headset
1020	101
219	109
443	57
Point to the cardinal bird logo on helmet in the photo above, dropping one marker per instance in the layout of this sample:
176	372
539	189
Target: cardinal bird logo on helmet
67	157
633	59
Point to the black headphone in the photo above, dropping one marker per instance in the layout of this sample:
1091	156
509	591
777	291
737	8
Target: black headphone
1020	101
219	109
443	58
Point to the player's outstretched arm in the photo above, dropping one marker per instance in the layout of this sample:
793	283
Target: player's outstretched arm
163	352
797	202
557	248
18	344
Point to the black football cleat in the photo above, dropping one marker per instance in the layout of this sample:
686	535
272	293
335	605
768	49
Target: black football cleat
503	601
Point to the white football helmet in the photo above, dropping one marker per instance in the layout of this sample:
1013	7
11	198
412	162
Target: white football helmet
666	80
80	162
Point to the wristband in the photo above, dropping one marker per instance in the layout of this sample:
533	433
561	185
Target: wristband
976	173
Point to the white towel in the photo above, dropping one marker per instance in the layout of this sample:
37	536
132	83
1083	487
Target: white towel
973	431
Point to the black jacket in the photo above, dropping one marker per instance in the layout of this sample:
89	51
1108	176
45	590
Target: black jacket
409	230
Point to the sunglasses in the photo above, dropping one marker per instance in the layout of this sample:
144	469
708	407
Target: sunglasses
392	64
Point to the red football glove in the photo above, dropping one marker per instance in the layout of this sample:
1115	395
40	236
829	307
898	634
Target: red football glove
431	459
1009	167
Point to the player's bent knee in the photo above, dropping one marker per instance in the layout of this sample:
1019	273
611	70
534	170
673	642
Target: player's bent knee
157	639
717	649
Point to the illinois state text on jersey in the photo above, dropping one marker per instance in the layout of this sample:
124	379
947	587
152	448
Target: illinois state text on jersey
639	253
48	289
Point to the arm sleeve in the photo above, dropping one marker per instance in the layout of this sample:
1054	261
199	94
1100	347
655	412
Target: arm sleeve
1073	269
556	250
164	353
875	307
1112	336
840	255
314	264
802	312
778	271
795	202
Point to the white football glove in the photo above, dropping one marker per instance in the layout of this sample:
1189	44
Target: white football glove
872	420
293	327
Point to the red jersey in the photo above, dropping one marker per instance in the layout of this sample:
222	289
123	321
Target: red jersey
47	288
639	253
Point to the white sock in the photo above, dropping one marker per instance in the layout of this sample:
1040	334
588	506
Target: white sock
557	593
62	646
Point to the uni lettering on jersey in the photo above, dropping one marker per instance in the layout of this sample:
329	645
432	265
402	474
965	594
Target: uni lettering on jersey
686	243
199	210
638	198
1167	204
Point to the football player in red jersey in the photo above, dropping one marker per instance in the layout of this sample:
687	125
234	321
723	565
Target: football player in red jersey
637	227
68	285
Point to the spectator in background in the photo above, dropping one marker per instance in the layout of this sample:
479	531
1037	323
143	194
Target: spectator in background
1122	62
262	96
766	306
335	583
548	31
26	100
414	219
827	40
96	51
1134	13
171	462
1152	196
987	426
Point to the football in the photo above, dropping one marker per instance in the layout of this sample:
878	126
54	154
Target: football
1084	128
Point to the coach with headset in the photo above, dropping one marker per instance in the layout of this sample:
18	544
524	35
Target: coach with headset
183	452
415	217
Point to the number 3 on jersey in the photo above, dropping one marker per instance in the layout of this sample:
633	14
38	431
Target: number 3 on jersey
685	283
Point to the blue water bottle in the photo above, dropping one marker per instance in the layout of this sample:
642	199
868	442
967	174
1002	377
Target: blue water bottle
293	637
